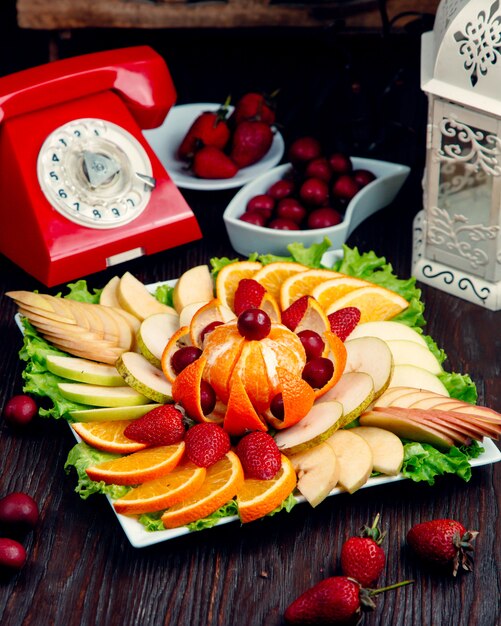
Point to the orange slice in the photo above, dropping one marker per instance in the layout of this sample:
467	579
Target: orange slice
179	339
108	436
297	396
256	498
302	284
230	275
241	416
272	276
186	391
375	303
338	355
251	368
222	482
138	467
327	292
155	495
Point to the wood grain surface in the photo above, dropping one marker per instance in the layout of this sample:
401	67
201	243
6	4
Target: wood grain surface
81	569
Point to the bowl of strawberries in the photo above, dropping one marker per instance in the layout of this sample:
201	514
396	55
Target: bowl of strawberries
208	146
313	197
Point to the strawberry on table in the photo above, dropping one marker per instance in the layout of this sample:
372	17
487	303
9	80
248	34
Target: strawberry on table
251	141
209	129
443	542
162	426
362	557
210	162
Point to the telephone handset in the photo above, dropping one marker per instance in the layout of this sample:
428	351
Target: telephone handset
81	188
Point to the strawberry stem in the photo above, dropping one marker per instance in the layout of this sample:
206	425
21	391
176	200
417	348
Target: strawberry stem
373	592
373	532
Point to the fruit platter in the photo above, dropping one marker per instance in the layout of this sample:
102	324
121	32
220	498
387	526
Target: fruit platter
245	387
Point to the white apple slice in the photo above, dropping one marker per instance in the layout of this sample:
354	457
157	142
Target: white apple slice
412	353
412	396
388	331
144	377
407	429
187	313
355	391
417	377
213	311
109	294
317	472
98	395
318	424
194	285
372	356
387	449
84	370
137	300
154	334
392	394
112	414
355	459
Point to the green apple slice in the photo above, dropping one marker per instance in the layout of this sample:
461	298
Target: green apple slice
317	472
355	459
318	424
144	377
418	378
98	395
84	371
153	335
110	414
372	356
387	449
411	353
355	391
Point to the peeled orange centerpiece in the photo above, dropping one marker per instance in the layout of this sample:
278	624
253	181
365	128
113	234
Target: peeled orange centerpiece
251	372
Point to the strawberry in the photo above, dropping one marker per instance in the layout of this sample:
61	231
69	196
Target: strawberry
210	162
255	106
344	321
443	542
162	426
206	443
259	455
294	313
209	129
251	141
362	557
248	295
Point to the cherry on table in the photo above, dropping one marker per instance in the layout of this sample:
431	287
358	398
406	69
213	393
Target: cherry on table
18	512
12	555
20	410
318	372
254	324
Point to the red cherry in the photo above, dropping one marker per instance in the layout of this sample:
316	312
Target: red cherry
207	397
184	357
324	218
314	191
291	209
277	406
281	189
318	371
313	344
319	168
20	410
18	511
261	204
257	219
208	329
12	555
254	324
363	177
283	224
345	187
340	163
304	149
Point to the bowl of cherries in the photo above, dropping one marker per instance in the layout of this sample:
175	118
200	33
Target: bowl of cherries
313	197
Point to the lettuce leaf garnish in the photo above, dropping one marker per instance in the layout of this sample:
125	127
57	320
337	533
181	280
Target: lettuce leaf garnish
82	456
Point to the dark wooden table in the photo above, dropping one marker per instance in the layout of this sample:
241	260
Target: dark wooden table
81	569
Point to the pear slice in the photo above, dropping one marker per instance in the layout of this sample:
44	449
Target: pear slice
98	395
144	377
112	414
154	334
411	353
392	395
387	449
318	424
388	331
137	300
213	311
109	294
188	312
417	377
317	472
84	370
194	285
355	391
355	459
412	396
372	356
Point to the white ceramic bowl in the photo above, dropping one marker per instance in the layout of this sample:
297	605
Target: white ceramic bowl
247	238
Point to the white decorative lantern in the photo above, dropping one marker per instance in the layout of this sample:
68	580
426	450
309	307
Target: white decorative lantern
457	237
